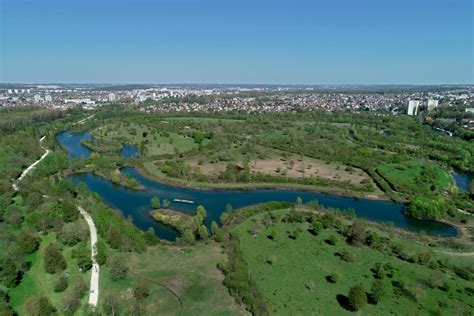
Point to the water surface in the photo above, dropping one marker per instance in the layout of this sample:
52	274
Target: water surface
72	143
137	203
463	180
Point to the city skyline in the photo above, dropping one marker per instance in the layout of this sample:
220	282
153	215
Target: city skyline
237	42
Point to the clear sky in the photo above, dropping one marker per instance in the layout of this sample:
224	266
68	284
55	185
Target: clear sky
232	41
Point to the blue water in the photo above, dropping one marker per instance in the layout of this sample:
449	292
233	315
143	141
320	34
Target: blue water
463	180
137	203
72	143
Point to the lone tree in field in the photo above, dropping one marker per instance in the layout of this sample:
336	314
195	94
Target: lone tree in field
357	297
54	261
377	291
155	202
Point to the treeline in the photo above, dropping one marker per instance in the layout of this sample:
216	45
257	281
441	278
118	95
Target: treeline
13	120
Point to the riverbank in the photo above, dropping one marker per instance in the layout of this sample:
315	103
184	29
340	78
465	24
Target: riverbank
120	179
254	186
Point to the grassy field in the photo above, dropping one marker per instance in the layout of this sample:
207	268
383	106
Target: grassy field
189	271
37	282
292	274
157	143
407	174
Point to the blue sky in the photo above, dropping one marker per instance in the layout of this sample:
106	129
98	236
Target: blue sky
231	41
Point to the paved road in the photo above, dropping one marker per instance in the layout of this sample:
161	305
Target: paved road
32	166
94	289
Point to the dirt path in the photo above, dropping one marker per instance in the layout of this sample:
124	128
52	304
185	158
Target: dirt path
83	120
456	254
94	288
32	166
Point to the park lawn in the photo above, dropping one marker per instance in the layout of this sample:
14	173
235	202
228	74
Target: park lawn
36	282
190	271
295	283
403	176
158	144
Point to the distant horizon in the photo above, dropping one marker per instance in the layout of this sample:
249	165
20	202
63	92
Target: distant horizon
241	83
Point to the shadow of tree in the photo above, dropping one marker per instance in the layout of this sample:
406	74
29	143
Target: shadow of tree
344	302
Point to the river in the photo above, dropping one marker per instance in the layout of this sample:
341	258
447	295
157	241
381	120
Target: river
137	203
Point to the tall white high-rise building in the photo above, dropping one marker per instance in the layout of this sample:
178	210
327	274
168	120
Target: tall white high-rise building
432	104
112	97
413	107
48	98
37	97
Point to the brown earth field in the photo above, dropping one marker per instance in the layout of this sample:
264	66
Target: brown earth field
292	167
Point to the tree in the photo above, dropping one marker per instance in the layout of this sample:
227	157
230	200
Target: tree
188	236
203	232
141	290
54	261
72	233
228	208
118	269
110	305
214	228
377	291
39	306
82	254
70	303
69	211
333	277
299	201
150	236
357	297
200	210
166	203
101	255
358	233
155	202
166	169
60	283
28	242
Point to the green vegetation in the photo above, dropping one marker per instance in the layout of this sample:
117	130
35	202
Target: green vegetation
188	226
367	268
415	176
324	264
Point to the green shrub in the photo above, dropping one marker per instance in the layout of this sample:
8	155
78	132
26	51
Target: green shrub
357	297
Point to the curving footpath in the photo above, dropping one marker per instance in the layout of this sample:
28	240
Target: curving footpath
94	289
32	166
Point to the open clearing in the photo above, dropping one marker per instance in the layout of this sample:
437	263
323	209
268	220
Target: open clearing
411	173
291	274
293	167
189	271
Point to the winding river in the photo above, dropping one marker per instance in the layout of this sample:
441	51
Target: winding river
137	203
